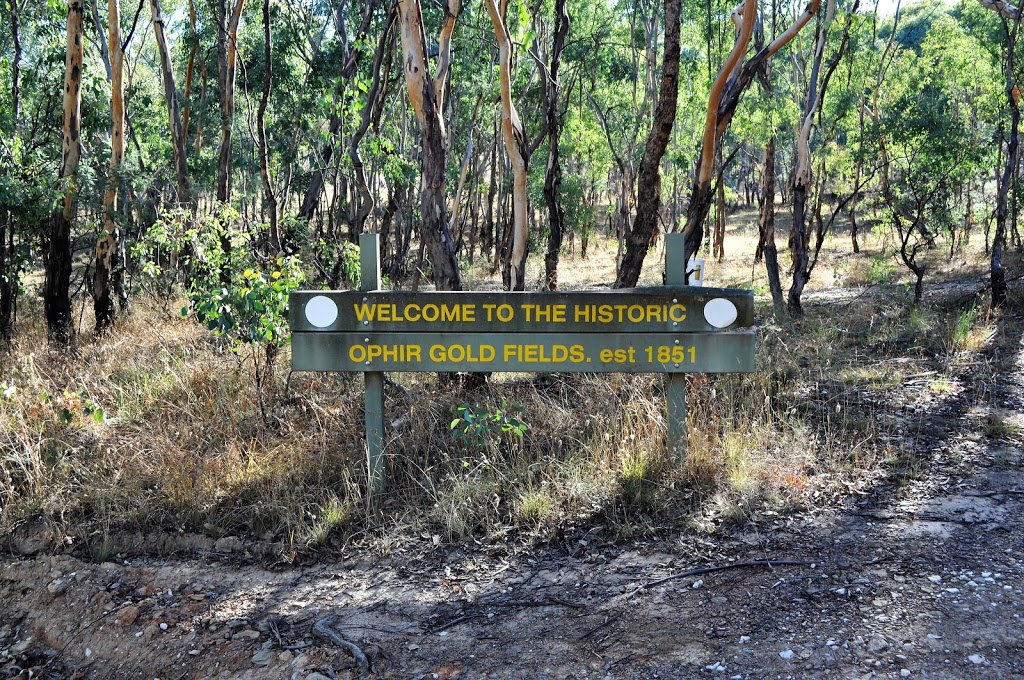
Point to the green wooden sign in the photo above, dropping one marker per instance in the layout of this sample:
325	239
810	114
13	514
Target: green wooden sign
674	329
526	352
640	310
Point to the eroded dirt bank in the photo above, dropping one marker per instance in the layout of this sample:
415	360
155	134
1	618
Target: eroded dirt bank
930	587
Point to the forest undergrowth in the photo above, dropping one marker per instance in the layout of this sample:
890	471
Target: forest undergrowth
158	426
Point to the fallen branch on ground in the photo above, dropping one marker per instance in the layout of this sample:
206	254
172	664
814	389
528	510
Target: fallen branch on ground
323	629
721	567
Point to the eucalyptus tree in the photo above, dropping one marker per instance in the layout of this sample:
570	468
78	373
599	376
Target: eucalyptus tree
929	127
109	272
352	50
174	120
427	96
1010	17
56	293
649	180
732	80
553	91
229	14
817	85
516	145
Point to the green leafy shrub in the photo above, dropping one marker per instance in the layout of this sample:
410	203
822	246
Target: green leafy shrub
484	428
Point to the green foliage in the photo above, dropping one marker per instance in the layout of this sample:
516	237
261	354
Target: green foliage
235	295
882	269
964	326
65	408
252	308
485	428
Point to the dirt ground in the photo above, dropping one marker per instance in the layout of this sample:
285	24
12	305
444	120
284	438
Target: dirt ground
917	575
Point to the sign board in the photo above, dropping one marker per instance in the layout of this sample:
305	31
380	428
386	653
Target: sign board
673	329
657	330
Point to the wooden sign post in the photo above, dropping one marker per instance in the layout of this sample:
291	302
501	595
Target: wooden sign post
673	329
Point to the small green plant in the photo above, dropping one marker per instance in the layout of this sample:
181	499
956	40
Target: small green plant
233	291
882	270
65	408
252	309
963	328
484	428
535	507
334	515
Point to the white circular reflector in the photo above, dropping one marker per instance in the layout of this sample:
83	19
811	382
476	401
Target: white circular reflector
321	311
720	312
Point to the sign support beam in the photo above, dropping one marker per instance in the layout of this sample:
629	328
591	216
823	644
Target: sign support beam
373	399
675	275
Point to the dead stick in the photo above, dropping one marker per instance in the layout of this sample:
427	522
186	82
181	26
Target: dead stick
606	622
323	628
721	567
549	602
456	621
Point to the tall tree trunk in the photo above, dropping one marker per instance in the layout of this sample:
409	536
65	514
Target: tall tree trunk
427	97
744	17
8	273
726	91
852	210
370	116
718	237
464	169
351	62
109	247
193	49
227	51
553	173
173	114
56	293
802	177
766	225
648	203
7	279
515	145
16	64
104	50
487	235
997	275
269	197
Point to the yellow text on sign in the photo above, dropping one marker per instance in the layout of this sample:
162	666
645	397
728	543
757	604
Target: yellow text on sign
526	312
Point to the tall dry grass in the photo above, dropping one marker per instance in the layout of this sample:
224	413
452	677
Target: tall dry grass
183	445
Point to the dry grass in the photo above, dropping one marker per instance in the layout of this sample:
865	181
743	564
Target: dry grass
184	447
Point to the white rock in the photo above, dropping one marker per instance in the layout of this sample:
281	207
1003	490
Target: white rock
904	673
935	578
976	659
698	583
786	654
744	638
